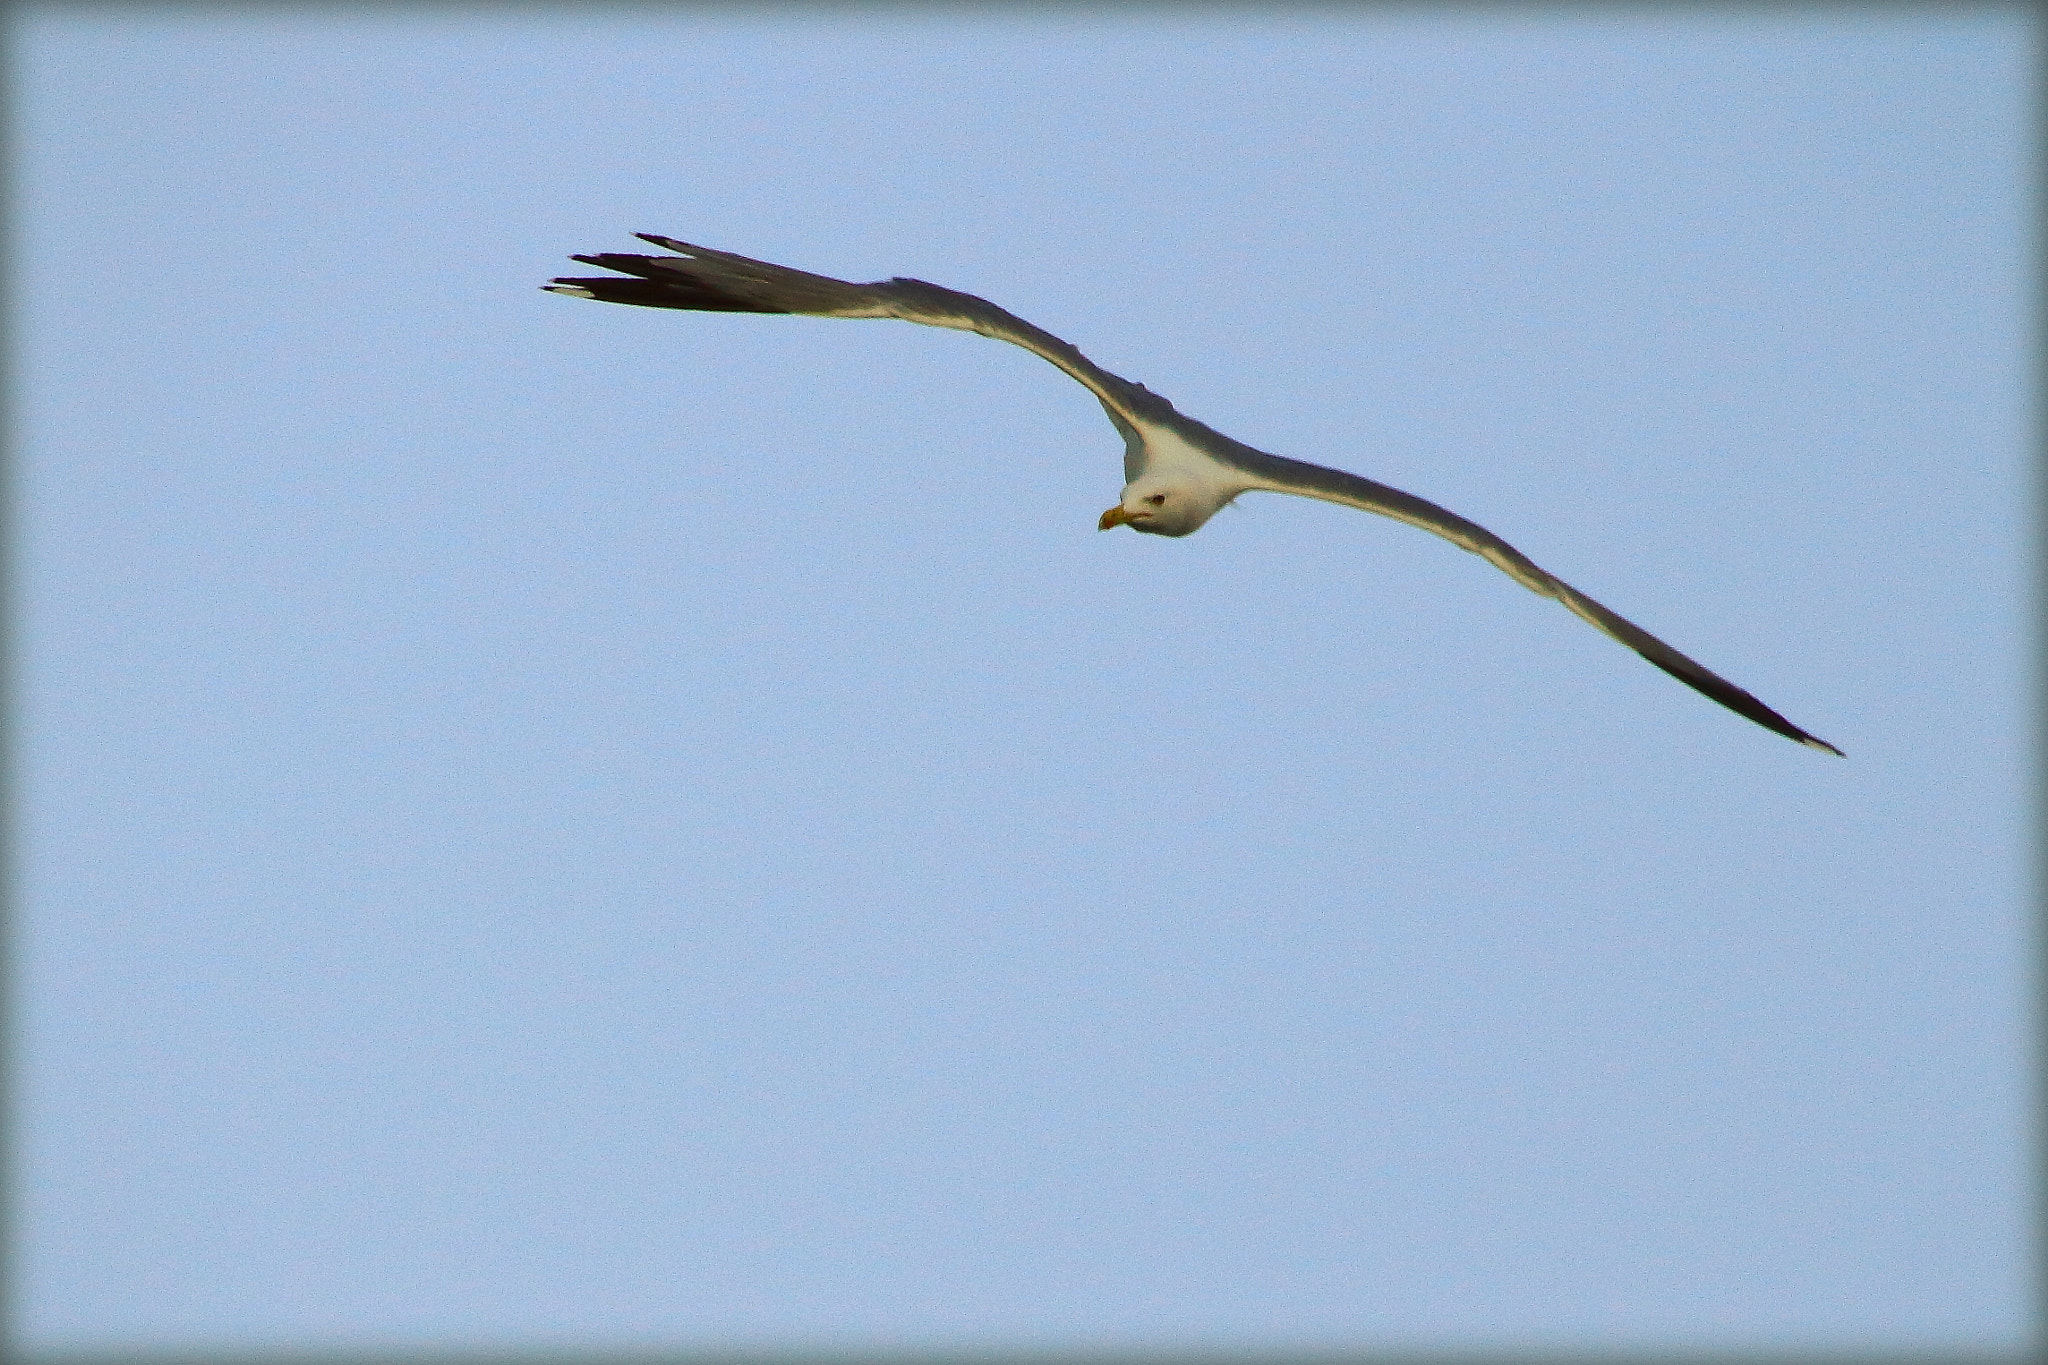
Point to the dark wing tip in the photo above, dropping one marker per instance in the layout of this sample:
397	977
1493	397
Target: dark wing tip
684	293
1744	704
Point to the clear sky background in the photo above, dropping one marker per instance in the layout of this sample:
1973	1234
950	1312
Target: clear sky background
546	823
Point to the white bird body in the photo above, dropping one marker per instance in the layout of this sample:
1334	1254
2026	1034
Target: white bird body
1178	473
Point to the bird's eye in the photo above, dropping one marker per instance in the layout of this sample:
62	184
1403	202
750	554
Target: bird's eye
1157	499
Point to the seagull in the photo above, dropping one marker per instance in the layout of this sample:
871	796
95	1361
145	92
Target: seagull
1178	473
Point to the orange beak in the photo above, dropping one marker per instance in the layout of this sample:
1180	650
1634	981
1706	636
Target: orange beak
1115	516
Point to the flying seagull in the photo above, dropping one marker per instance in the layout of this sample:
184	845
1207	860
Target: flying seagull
1178	472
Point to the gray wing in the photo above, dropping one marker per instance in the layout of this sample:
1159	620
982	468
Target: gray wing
703	280
1278	474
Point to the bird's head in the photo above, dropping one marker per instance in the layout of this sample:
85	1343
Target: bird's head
1162	507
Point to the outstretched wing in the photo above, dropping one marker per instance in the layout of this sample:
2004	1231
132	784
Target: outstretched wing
1278	474
708	281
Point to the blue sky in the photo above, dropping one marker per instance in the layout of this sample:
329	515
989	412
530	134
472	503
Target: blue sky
545	823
